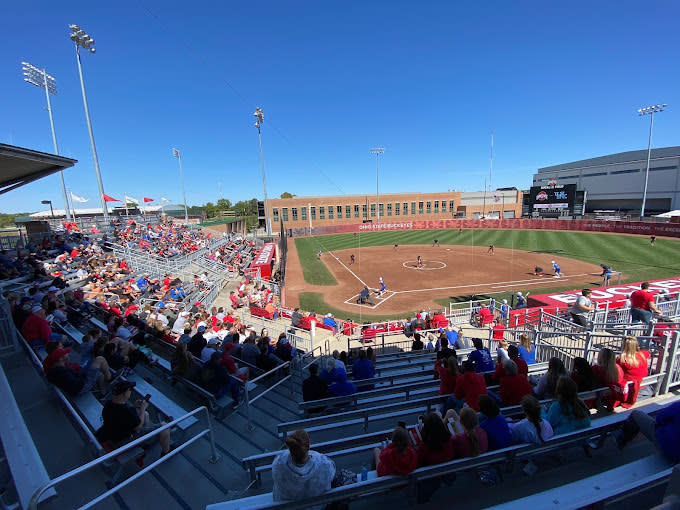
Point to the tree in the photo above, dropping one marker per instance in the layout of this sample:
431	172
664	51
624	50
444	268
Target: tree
210	210
285	194
223	204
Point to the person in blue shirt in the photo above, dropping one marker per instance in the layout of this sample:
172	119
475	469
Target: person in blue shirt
557	269
143	283
663	431
341	387
526	349
504	310
521	300
481	357
568	413
363	368
493	422
329	321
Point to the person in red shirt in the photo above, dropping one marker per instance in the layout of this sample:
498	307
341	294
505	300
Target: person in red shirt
642	304
36	330
513	386
470	385
634	364
448	373
437	442
485	316
398	457
470	439
609	374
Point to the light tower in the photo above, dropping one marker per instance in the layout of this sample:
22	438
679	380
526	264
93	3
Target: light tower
377	151
649	110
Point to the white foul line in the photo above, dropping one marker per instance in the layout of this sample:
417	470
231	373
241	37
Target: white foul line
348	269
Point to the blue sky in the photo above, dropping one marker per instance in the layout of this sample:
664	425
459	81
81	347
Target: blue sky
428	81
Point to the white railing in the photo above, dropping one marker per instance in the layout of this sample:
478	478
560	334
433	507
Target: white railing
33	505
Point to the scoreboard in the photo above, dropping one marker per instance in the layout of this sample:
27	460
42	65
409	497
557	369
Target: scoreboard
559	199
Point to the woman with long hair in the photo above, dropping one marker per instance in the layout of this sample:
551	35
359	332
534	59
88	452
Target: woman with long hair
548	382
534	428
470	439
437	445
569	412
609	374
493	423
448	373
398	457
526	349
634	364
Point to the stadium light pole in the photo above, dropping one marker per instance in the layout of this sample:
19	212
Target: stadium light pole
81	39
39	77
377	151
51	209
259	115
178	155
649	110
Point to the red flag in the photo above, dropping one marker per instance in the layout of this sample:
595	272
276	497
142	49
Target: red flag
147	199
109	199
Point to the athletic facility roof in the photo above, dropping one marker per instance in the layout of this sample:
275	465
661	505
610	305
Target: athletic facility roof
19	166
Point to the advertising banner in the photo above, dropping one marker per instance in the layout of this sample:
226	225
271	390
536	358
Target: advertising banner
264	261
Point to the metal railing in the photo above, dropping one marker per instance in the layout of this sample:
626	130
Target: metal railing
249	401
33	505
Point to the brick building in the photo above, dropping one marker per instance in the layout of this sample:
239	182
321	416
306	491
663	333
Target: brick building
349	209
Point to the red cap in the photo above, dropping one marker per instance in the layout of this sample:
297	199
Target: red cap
54	356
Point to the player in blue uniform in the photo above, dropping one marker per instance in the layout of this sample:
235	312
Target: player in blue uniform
557	269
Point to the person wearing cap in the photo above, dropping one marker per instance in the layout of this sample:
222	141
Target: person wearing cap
215	379
211	348
295	318
36	330
330	322
521	300
198	342
124	422
72	381
300	473
557	269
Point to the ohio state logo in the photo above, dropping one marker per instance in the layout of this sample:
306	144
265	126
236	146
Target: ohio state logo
542	196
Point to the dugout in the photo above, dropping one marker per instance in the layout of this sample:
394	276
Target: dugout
265	259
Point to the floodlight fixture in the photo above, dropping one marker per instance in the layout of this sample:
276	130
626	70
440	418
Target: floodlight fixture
649	110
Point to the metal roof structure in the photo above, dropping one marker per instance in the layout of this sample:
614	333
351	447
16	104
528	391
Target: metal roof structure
19	166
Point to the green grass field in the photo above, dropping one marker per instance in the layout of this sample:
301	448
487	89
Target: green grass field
632	255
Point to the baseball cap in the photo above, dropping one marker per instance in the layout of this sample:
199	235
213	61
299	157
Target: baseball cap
519	293
122	386
54	356
52	288
201	329
36	309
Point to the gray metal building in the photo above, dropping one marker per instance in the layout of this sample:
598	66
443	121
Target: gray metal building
616	182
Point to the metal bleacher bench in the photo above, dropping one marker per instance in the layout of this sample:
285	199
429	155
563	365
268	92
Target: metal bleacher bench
600	487
161	402
25	464
600	427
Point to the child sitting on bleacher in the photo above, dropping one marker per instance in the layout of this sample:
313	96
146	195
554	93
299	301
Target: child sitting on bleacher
396	458
534	428
568	413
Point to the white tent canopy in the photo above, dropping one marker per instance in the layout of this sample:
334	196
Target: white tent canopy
669	214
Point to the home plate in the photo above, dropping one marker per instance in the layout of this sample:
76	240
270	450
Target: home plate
448	249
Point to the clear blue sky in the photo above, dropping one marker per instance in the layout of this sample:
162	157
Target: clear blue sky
428	81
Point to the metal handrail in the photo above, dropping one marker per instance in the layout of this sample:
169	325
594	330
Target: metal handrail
33	505
252	381
286	364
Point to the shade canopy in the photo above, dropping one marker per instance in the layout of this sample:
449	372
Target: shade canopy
19	166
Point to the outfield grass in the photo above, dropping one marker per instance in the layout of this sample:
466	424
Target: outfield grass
632	255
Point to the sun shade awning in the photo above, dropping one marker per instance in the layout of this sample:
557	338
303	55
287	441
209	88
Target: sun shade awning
19	166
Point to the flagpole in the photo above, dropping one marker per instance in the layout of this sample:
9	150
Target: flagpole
490	169
125	200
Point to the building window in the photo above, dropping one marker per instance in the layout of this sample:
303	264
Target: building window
397	208
285	214
633	171
364	211
312	210
372	210
322	212
348	211
420	207
429	207
304	213
295	214
389	209
436	206
330	212
276	213
413	208
339	211
382	209
405	208
594	174
451	206
443	205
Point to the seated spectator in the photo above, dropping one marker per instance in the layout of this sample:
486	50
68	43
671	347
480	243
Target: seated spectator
480	357
498	330
76	382
534	428
341	387
230	364
398	457
417	344
470	386
300	473
633	363
283	350
493	423
437	443
502	351
36	330
513	386
548	381
314	388
198	342
513	354
264	360
526	349
583	376
215	379
363	368
339	364
182	363
444	351
211	348
568	413
330	322
609	374
123	422
663	430
470	439
448	373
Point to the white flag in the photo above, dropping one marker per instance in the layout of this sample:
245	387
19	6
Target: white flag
76	198
130	200
164	200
